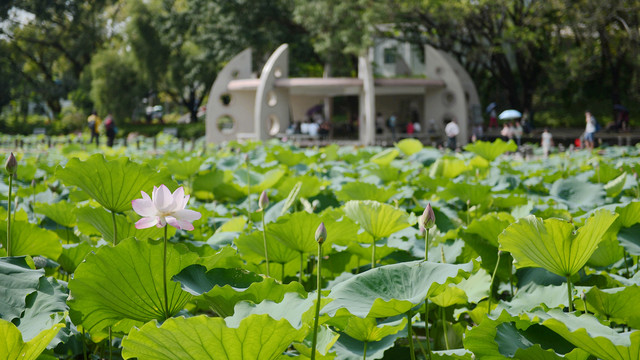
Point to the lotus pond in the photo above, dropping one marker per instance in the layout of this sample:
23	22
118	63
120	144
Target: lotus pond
269	251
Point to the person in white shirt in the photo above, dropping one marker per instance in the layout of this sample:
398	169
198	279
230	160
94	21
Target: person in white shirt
452	130
589	130
546	142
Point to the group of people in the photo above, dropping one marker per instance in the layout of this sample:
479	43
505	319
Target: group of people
95	125
411	127
511	131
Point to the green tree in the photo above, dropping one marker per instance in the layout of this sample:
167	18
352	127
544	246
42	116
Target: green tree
510	42
52	42
115	85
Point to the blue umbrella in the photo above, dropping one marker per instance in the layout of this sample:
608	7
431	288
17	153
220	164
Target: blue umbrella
490	107
509	114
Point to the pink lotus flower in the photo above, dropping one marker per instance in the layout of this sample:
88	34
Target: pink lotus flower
164	208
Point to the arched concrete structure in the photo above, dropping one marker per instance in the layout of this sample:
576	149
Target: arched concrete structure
272	103
449	102
238	68
367	129
440	89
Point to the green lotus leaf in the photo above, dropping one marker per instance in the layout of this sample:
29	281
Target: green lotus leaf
385	157
615	186
252	248
368	329
629	214
17	280
363	251
628	238
297	231
344	231
348	348
13	347
533	295
588	334
618	304
448	168
125	284
102	221
44	308
577	194
62	212
471	290
489	226
293	307
113	184
473	193
310	186
409	146
184	169
244	179
608	252
455	354
325	341
379	220
235	224
552	245
364	191
290	158
393	289
257	337
604	172
491	150
222	289
29	239
72	255
509	337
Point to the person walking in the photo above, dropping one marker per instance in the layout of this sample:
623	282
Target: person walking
590	130
546	142
93	122
110	128
452	130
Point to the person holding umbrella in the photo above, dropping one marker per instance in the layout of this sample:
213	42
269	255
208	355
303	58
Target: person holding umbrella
452	130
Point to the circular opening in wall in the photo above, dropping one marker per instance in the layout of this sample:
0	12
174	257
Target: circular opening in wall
225	124
274	125
439	70
277	73
225	99
448	98
272	98
235	73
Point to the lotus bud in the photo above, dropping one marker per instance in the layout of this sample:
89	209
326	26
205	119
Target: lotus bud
321	234
263	202
427	219
11	165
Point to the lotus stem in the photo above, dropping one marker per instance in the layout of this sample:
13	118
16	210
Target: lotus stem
373	253
282	275
164	275
444	329
264	237
364	352
410	330
314	343
495	270
626	264
301	267
115	228
9	216
511	278
110	355
426	245
570	298
426	326
84	344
